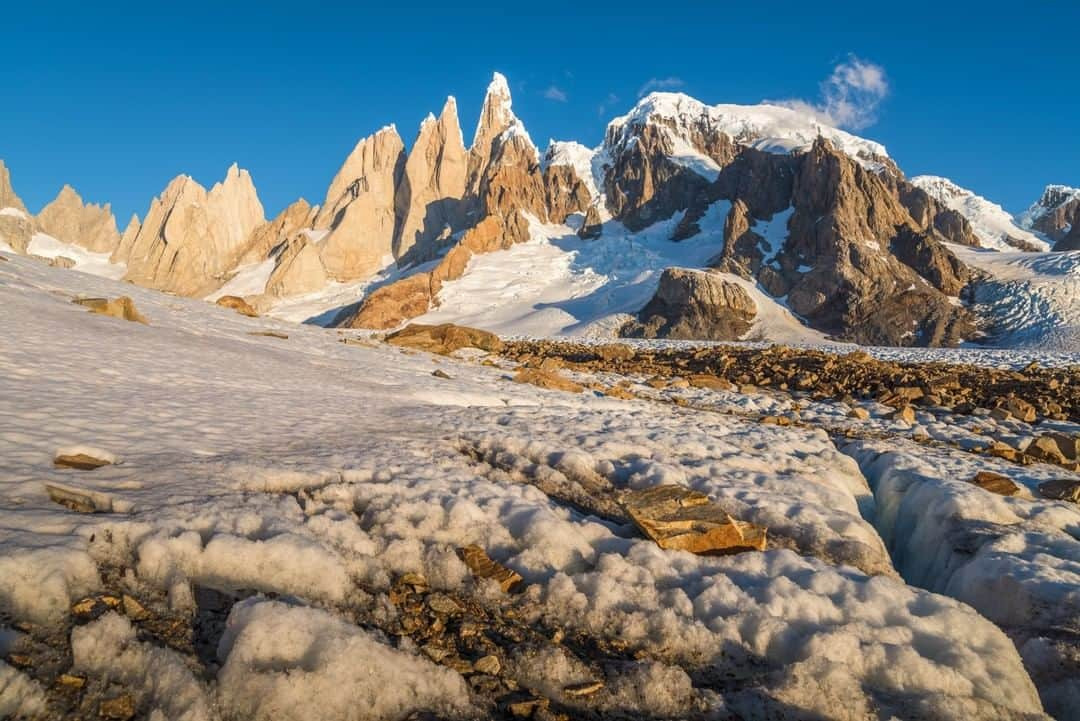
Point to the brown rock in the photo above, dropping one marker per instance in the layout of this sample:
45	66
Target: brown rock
710	382
120	708
238	304
859	413
488	664
694	304
1045	448
482	566
444	339
996	483
677	518
80	461
585	688
547	379
122	307
1061	489
905	414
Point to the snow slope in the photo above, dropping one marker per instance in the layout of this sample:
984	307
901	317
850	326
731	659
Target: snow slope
558	284
1032	298
992	224
85	261
320	471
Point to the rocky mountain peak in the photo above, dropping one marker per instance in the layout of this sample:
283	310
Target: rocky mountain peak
365	167
68	219
1055	214
8	198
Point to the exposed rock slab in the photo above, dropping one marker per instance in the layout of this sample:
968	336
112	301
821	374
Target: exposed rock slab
694	304
684	520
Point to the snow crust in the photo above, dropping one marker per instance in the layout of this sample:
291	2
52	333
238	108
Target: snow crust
991	223
291	662
321	471
15	212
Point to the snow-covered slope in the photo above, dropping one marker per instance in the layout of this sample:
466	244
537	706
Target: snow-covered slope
992	224
558	284
86	261
312	474
1033	299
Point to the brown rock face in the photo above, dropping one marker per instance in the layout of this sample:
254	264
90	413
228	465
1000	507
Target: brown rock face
90	226
846	222
1072	240
1063	212
122	307
8	198
191	236
269	237
428	200
566	194
693	304
359	208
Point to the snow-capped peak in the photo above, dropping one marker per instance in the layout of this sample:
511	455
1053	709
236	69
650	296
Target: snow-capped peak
991	223
767	127
1053	197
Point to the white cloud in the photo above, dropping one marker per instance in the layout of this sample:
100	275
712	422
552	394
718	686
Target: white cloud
610	100
850	96
659	84
555	93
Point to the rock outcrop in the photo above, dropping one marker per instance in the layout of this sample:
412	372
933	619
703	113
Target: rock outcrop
428	200
1055	214
190	235
87	225
694	304
359	208
1070	241
8	198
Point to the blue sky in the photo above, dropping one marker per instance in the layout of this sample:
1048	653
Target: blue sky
118	98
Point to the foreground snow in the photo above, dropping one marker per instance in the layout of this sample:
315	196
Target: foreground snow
318	472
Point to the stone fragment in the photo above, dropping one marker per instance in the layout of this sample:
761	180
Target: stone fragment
270	334
905	414
525	709
440	373
122	307
1021	410
996	483
71	680
79	500
859	413
547	379
482	566
586	688
133	609
81	459
1061	489
710	382
488	664
1045	448
238	304
441	603
120	708
677	518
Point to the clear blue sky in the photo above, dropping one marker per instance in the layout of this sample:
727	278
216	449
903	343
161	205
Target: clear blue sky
118	98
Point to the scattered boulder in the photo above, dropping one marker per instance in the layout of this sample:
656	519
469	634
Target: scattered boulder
83	458
694	305
122	307
1045	448
585	688
238	304
81	500
444	339
547	379
440	373
904	413
61	261
859	413
120	708
710	382
996	483
270	334
677	518
1061	489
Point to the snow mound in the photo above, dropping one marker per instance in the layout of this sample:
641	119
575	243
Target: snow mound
991	223
303	664
159	678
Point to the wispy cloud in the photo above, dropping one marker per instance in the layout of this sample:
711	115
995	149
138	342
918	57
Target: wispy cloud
555	93
659	84
610	100
850	96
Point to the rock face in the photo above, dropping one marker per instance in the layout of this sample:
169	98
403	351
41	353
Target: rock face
428	200
16	228
90	226
191	237
1070	241
8	198
359	209
1055	214
694	304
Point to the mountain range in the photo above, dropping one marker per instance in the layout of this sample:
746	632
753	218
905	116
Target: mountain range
688	221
